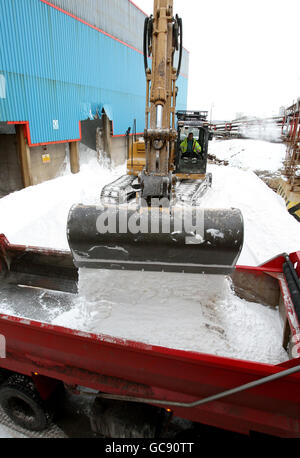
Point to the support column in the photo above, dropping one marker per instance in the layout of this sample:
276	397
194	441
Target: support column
24	154
74	157
106	129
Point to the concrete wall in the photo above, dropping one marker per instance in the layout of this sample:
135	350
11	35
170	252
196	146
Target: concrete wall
43	171
118	150
59	157
10	169
56	157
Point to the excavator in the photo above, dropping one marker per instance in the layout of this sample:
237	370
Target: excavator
192	181
151	218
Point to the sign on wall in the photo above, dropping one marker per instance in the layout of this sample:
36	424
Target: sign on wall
46	158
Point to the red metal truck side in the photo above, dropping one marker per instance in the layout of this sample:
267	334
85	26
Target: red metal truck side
123	367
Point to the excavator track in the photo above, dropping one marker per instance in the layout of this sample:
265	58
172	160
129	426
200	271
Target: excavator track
119	191
190	192
123	190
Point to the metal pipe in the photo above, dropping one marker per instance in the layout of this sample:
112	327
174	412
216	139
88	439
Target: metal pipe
159	116
147	104
212	398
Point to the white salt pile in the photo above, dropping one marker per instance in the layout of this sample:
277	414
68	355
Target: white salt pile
173	310
181	311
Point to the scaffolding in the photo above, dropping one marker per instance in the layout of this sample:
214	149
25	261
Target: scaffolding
268	129
291	134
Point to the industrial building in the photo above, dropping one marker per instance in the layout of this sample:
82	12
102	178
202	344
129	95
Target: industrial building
68	67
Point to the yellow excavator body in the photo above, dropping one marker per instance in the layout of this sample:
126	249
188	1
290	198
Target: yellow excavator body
136	161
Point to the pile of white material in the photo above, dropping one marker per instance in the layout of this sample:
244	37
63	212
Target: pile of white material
8	433
269	229
250	154
186	312
38	215
178	311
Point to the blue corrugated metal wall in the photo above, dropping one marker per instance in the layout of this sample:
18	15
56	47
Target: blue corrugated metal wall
55	68
109	15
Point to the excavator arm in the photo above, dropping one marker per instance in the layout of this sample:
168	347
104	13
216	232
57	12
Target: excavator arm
156	234
162	37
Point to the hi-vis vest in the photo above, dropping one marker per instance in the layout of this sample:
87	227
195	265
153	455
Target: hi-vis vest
184	146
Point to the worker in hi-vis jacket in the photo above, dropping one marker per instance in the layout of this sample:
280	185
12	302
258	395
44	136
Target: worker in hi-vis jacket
190	147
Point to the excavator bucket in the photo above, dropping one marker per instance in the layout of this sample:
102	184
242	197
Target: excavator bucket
190	240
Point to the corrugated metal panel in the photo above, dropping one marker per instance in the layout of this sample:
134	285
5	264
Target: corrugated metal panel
117	17
56	68
121	18
108	15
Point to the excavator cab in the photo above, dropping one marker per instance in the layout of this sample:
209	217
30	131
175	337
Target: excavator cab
195	122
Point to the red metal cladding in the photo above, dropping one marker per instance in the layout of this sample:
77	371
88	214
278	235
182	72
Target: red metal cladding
273	265
28	137
6	247
45	385
4	244
295	258
123	367
291	315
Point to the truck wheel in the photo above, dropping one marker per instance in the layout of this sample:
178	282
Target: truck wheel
22	403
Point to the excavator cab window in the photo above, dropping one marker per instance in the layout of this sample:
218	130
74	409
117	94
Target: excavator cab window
185	130
203	140
200	134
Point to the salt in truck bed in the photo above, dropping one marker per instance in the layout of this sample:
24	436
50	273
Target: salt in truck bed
236	395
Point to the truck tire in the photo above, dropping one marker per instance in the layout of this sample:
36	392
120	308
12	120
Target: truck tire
22	403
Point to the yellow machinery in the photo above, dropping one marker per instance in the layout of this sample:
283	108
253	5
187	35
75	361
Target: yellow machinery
151	218
136	158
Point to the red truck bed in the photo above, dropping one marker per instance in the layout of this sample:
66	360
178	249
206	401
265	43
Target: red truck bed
122	367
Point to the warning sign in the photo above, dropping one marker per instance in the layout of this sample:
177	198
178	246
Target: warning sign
46	158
